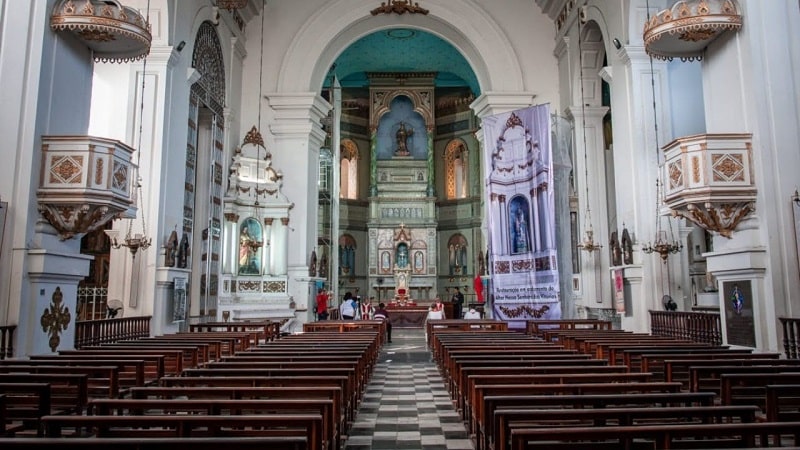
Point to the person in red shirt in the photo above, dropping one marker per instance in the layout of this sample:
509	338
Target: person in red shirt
322	304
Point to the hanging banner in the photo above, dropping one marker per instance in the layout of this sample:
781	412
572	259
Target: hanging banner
521	216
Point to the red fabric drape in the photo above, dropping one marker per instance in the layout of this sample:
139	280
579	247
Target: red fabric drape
478	285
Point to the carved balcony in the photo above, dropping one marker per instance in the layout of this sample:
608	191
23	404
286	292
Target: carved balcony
85	182
710	180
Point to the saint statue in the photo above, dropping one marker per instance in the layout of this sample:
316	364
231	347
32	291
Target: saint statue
402	140
402	256
520	233
248	246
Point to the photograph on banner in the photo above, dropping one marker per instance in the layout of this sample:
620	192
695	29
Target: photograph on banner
521	215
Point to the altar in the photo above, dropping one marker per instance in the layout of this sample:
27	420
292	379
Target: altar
407	316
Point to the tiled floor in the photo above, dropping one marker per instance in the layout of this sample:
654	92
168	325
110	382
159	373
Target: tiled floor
406	405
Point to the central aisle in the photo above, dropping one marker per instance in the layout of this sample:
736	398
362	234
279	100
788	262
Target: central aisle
406	405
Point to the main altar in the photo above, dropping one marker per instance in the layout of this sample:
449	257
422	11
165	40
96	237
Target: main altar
402	225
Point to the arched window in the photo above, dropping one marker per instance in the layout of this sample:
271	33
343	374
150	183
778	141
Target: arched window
349	170
455	155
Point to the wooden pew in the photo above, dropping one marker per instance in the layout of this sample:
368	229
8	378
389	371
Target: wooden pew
709	378
178	425
679	369
505	420
535	327
102	380
491	404
783	403
654	436
69	393
654	361
193	355
751	388
205	443
481	423
217	407
24	404
166	362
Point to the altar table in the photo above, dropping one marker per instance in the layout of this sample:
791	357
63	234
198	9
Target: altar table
407	316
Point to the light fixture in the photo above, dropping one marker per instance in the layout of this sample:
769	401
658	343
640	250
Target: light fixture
137	241
661	244
617	43
588	245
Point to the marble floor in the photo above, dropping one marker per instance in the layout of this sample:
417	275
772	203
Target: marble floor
406	405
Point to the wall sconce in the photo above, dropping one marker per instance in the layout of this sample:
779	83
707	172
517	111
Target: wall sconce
617	43
180	46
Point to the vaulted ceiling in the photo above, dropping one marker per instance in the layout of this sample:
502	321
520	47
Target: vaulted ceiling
404	50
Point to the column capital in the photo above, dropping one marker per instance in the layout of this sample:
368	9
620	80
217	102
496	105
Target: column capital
588	112
490	103
298	115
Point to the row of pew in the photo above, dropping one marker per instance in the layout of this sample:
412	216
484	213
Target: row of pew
209	387
582	385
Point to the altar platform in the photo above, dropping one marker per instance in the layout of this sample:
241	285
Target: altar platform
413	314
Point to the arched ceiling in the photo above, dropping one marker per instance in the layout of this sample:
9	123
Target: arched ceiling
404	50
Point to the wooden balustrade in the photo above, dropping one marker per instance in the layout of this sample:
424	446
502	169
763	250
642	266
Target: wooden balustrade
791	332
7	341
105	331
694	326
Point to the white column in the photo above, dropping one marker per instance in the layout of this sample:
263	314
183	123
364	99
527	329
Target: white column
269	245
281	246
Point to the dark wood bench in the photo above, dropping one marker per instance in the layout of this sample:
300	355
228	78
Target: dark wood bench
102	380
217	407
535	327
783	403
165	362
69	393
506	420
655	361
205	443
178	425
23	405
654	436
709	378
751	388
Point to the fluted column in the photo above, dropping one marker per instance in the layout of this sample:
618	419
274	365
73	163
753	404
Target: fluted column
269	245
373	161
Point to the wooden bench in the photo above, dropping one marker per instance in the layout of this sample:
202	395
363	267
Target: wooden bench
102	380
751	388
205	443
480	423
505	420
709	378
69	393
654	362
193	355
166	362
23	405
783	403
217	407
679	369
535	327
654	436
177	425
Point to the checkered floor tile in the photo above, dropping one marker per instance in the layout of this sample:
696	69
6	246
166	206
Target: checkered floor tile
406	405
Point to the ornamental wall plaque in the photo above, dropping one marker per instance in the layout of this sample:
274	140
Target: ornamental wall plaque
399	7
55	319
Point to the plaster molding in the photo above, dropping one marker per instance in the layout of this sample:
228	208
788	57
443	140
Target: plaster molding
607	74
562	47
632	54
490	103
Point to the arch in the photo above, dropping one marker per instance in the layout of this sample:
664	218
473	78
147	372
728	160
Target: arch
208	60
483	43
457	254
456	169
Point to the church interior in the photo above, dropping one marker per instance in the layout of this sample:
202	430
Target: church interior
175	163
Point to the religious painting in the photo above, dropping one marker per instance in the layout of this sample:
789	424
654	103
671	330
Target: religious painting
386	262
518	223
419	265
402	255
619	291
739	318
250	247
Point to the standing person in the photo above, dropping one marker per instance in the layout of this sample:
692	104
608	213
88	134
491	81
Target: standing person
322	304
458	303
382	314
367	310
347	310
438	307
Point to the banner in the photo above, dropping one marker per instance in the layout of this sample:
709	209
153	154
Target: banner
520	212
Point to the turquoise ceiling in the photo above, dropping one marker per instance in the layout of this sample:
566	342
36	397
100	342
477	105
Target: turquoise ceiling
404	50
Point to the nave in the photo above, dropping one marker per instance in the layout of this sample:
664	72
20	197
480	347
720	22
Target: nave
406	405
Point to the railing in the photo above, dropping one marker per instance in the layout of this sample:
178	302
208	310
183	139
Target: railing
7	341
104	331
791	332
693	326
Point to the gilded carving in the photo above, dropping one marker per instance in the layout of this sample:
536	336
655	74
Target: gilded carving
274	287
70	220
66	169
696	169
253	137
55	319
675	175
728	167
722	219
120	177
399	7
232	217
285	221
98	171
248	286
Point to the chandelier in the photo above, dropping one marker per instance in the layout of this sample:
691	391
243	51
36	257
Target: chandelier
588	245
137	241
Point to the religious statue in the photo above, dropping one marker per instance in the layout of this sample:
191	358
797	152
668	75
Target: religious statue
312	266
183	252
402	256
402	136
248	246
171	251
520	231
627	247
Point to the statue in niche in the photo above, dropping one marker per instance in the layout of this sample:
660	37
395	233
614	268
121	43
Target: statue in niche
312	266
171	251
402	136
627	247
402	256
323	266
520	233
183	251
249	245
616	250
481	265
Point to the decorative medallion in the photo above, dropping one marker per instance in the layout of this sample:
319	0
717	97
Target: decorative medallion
55	319
675	174
66	169
399	7
274	287
727	167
